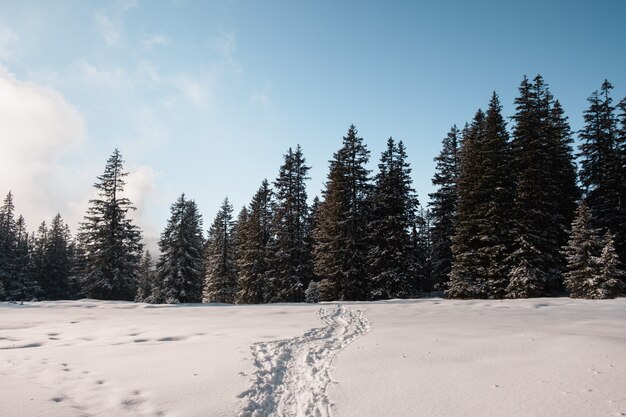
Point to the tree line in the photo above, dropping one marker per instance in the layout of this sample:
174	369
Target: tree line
512	217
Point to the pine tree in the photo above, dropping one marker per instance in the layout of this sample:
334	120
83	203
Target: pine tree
52	260
482	230
146	280
581	252
221	274
610	281
421	240
7	244
394	205
340	233
23	286
180	271
602	165
291	263
545	192
110	239
443	206
254	241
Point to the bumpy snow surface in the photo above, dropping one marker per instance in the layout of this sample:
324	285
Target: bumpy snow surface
430	358
293	375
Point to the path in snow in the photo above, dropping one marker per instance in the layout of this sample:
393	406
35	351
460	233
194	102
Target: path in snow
293	375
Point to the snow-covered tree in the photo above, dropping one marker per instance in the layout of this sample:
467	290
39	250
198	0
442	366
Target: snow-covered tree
220	282
52	260
603	164
312	293
253	246
7	243
545	191
482	228
582	251
390	260
443	206
180	271
146	279
291	267
110	240
609	283
340	233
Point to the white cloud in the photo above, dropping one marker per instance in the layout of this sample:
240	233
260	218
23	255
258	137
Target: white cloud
38	129
155	40
109	30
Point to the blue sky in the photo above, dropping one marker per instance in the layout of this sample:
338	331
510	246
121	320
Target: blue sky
204	97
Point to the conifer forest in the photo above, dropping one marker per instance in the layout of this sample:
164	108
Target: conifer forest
523	207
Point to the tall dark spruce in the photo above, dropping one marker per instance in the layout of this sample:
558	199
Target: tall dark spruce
291	267
253	248
603	164
52	260
341	243
443	206
220	281
482	231
545	192
147	279
109	239
391	264
180	269
7	245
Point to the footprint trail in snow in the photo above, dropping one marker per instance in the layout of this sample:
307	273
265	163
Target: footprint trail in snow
293	375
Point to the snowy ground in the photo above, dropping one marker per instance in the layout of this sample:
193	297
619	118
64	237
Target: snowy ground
540	357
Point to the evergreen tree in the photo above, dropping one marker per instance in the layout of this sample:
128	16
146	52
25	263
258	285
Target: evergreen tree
421	239
394	205
52	260
7	243
582	251
179	271
221	274
609	283
110	239
147	279
443	205
340	233
482	230
602	165
291	263
545	191
23	287
254	241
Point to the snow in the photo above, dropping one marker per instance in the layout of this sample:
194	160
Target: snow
431	357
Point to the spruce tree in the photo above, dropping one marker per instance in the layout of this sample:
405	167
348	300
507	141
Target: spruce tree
394	204
7	243
443	206
220	282
253	247
340	233
23	286
602	165
180	271
52	260
482	231
146	279
110	239
291	263
594	270
545	192
421	240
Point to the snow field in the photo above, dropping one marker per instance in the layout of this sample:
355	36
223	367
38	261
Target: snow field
538	357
